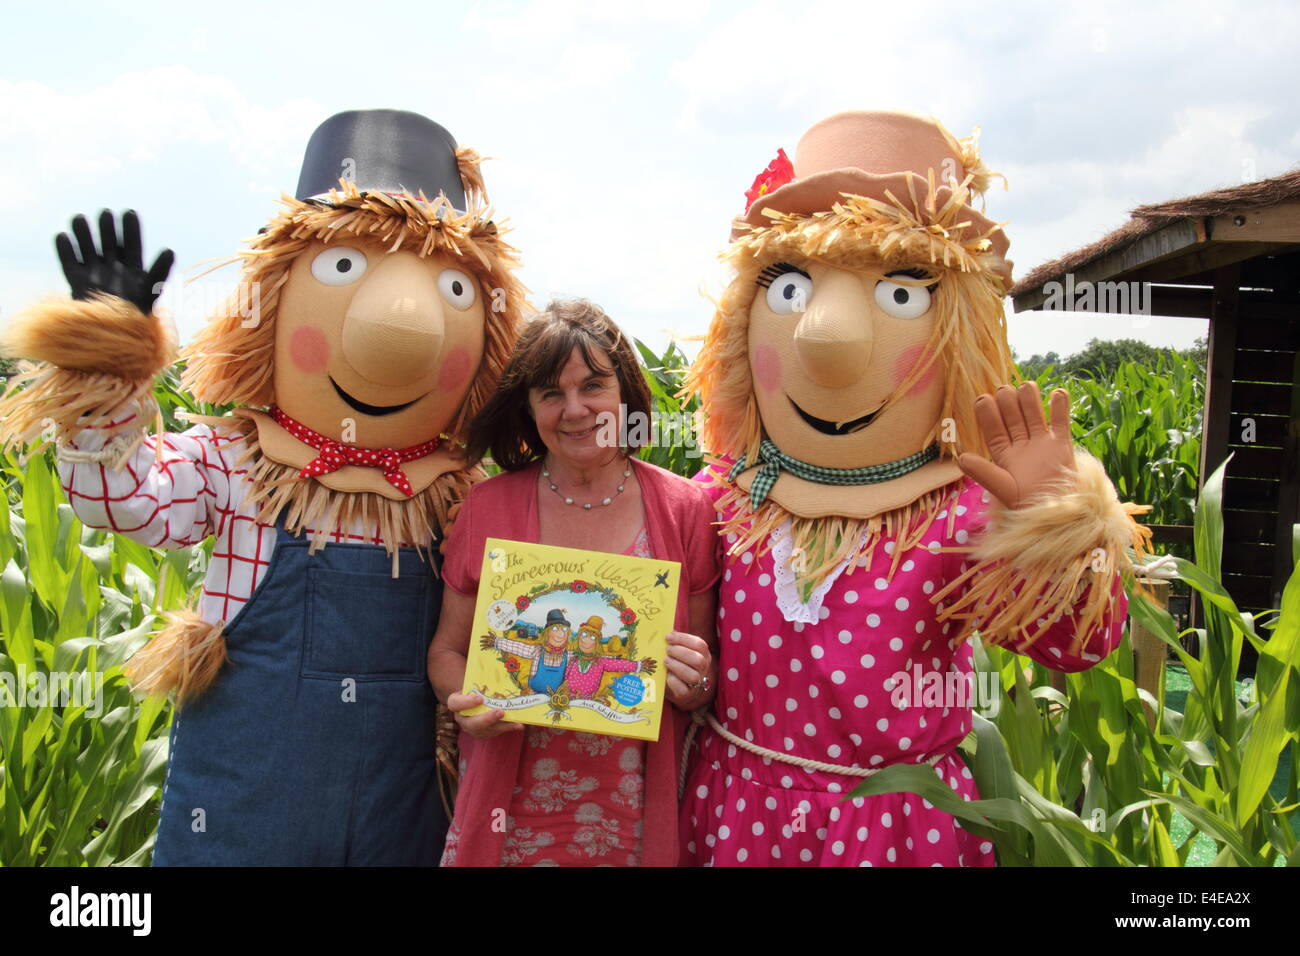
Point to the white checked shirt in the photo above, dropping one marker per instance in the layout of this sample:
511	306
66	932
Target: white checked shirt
196	490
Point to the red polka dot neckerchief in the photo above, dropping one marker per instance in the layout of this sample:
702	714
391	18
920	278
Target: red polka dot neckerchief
334	455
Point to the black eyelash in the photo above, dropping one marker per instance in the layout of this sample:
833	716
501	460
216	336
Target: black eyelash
916	273
770	273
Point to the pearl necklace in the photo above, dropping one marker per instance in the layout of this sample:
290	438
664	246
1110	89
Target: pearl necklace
605	503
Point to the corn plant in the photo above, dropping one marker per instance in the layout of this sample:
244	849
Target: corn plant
676	445
1144	425
81	761
1080	778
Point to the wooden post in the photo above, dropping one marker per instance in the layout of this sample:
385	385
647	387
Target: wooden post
1288	504
1220	361
1149	652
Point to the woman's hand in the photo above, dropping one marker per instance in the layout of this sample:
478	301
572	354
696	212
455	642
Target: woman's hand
481	726
689	663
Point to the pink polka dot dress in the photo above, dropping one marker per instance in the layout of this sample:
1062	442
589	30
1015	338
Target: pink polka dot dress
816	679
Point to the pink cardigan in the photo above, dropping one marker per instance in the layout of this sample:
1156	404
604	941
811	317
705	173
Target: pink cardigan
679	522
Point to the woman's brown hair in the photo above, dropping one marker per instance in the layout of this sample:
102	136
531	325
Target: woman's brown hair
505	427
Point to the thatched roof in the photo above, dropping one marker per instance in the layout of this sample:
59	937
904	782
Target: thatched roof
1147	219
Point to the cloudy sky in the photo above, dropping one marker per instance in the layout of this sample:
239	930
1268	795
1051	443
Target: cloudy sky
624	135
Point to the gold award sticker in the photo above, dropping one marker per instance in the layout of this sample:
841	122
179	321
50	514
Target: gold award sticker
501	614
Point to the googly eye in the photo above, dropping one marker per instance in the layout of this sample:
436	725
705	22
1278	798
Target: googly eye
789	293
902	301
457	288
339	265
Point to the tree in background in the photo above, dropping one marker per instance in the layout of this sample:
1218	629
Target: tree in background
1101	358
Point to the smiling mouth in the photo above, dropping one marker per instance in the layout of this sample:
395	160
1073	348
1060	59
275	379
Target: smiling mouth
830	428
365	409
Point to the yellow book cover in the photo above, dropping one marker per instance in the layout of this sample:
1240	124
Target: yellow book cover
572	639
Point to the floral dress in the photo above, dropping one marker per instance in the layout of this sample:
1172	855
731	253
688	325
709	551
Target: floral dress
579	797
819	679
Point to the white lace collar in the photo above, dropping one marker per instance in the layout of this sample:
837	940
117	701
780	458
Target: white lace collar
785	587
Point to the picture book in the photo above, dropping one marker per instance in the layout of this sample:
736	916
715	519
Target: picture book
572	639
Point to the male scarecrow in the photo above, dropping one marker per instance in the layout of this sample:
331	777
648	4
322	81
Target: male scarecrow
846	379
373	318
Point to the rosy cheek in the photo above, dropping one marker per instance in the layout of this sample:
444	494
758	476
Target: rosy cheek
767	368
455	371
908	361
309	349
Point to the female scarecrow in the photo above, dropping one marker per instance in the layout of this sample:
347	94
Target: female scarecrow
370	325
845	378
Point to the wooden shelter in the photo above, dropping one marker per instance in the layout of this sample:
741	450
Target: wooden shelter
1231	256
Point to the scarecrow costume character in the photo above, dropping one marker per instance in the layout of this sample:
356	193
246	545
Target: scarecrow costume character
846	381
373	317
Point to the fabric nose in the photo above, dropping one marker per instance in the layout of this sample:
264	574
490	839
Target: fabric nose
393	329
833	344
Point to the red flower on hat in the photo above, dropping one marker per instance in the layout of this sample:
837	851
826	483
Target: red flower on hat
522	602
627	616
779	172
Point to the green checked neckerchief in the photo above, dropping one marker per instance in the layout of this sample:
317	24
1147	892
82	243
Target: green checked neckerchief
772	461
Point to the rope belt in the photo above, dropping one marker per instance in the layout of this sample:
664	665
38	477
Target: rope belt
697	720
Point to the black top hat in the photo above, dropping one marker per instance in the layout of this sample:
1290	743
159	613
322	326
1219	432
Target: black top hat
390	151
556	616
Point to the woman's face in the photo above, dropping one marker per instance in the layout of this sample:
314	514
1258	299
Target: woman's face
578	417
586	642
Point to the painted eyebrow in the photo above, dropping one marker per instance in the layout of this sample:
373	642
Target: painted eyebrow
916	273
769	273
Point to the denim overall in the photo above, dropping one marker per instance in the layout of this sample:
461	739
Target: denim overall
315	746
546	678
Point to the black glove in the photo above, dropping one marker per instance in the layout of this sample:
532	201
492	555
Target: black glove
120	269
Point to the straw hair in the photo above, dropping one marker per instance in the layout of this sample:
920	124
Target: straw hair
231	360
969	336
969	333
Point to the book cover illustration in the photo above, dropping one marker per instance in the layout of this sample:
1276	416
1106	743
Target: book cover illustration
572	639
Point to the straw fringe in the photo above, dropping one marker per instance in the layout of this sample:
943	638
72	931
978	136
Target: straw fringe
860	232
42	396
829	541
471	175
102	334
303	503
184	657
1035	562
93	357
230	362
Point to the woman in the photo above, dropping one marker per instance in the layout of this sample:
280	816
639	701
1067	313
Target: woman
537	795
